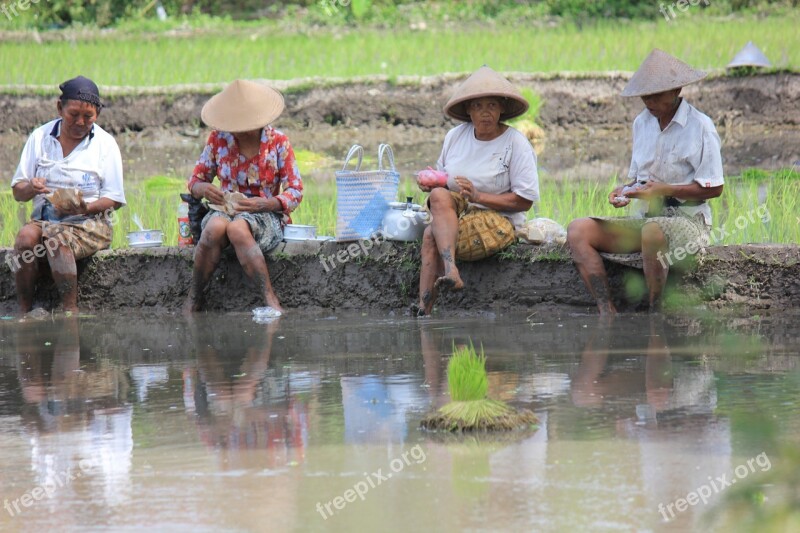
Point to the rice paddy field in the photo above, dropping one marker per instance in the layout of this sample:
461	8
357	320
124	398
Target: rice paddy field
213	55
756	207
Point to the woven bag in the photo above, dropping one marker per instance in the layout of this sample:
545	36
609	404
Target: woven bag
362	197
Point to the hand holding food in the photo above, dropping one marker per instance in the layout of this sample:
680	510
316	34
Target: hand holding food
39	185
229	201
431	178
67	201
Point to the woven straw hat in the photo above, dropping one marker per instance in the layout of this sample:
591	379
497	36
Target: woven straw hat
485	82
661	72
242	106
750	56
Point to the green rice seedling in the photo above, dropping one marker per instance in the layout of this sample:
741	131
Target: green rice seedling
470	409
758	207
466	374
153	59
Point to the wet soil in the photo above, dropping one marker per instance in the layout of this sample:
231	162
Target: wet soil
586	122
339	276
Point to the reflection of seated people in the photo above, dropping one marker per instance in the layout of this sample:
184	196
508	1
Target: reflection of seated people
668	407
75	412
375	407
240	405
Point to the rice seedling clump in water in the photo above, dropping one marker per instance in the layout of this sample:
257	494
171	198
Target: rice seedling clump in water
470	409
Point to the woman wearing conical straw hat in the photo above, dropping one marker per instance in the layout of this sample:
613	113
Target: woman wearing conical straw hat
491	182
676	168
251	158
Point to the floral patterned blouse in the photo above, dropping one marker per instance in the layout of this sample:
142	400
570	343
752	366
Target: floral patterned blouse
265	174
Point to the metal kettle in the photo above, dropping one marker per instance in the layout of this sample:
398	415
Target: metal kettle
404	221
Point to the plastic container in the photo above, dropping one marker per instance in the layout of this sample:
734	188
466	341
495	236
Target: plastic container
184	228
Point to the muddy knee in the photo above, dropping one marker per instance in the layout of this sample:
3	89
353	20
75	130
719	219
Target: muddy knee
652	237
580	230
27	238
440	199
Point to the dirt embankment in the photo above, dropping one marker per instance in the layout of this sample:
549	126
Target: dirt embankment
530	278
586	101
586	123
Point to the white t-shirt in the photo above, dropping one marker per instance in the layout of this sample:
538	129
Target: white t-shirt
505	164
688	150
94	166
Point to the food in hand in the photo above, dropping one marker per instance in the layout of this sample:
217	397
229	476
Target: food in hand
624	200
432	178
229	205
68	200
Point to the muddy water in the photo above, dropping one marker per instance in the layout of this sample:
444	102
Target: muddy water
220	424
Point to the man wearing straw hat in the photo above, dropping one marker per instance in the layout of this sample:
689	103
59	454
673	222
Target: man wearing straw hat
253	159
492	181
675	168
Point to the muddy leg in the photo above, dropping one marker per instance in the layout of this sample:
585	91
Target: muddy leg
654	248
206	258
65	276
26	272
431	269
587	238
444	228
252	260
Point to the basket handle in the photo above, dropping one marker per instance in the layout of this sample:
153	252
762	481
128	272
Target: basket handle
353	149
386	149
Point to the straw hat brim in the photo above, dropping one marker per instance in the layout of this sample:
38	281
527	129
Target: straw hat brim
243	106
483	83
661	72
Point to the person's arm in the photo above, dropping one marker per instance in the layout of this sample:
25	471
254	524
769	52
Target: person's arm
200	184
509	201
693	191
25	185
24	191
112	193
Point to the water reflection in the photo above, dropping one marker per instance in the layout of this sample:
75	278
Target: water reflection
246	412
221	424
76	416
666	406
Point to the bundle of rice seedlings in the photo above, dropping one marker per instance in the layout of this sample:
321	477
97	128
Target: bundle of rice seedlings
470	409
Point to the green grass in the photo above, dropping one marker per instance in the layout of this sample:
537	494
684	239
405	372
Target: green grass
467	380
738	211
157	60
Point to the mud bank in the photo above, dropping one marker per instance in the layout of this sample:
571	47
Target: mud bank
586	122
569	101
525	277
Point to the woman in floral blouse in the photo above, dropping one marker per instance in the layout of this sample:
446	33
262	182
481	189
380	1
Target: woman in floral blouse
250	157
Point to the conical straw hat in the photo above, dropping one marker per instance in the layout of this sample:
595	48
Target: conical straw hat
750	56
486	82
661	72
242	106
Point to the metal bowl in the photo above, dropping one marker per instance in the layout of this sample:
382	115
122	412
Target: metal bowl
299	232
145	238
